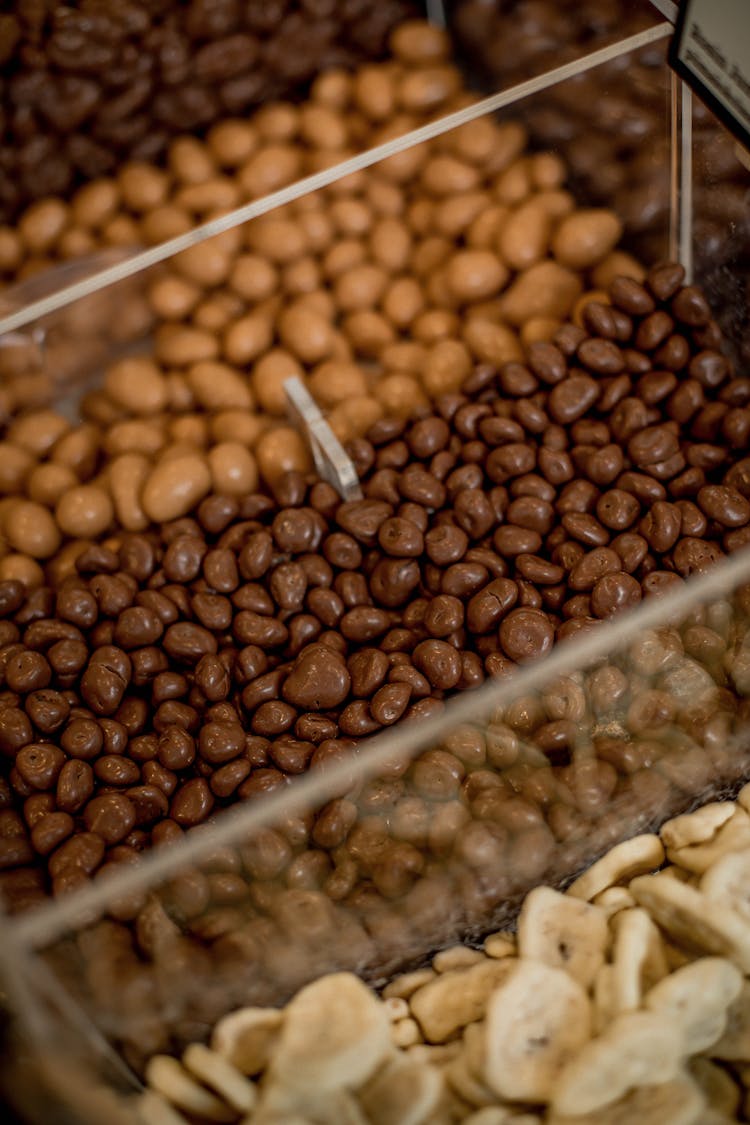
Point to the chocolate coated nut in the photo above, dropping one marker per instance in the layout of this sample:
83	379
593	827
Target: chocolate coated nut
401	538
724	504
439	662
526	634
188	643
594	565
662	525
617	509
585	528
651	445
111	817
317	681
446	544
255	556
39	765
389	703
613	593
443	616
192	803
362	518
368	669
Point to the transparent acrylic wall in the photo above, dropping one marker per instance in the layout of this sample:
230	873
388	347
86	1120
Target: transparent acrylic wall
429	834
608	126
426	835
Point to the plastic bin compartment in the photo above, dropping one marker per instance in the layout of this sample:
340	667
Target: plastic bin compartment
428	834
609	128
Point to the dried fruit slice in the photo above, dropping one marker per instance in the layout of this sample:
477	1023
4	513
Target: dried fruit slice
563	932
694	920
403	1092
282	1105
696	827
734	1044
170	1079
622	863
461	1078
246	1038
728	881
536	1022
152	1109
637	1049
733	836
721	1092
457	998
335	1035
220	1075
696	998
613	900
638	959
679	1102
604	1006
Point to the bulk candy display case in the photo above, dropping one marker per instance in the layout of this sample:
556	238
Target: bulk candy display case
431	832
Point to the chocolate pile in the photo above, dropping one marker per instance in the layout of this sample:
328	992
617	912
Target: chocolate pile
88	85
211	660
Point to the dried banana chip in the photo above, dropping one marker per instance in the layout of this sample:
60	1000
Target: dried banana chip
247	1037
604	1002
454	999
679	874
613	900
623	862
500	945
734	1044
396	1008
474	1048
536	1022
436	1056
405	1033
563	932
404	1092
637	1049
152	1109
277	1119
170	1079
334	1036
679	1102
638	959
733	836
721	1092
728	881
711	1116
490	1115
696	827
696	999
676	956
460	1077
220	1076
694	920
280	1105
408	983
457	957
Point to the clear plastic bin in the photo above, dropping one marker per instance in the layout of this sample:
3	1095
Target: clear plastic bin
428	834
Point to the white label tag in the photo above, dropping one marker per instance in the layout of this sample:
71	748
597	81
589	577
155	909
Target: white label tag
711	51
